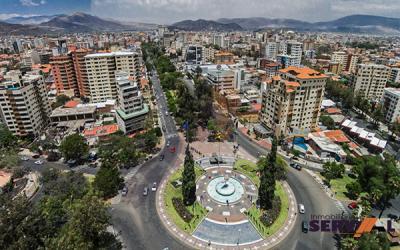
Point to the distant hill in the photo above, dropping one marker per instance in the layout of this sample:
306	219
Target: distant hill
353	23
82	22
205	25
30	19
74	23
19	29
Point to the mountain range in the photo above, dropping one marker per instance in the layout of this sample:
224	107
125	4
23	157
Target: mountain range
82	22
353	23
75	23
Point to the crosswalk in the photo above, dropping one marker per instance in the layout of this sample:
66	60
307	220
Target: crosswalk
341	207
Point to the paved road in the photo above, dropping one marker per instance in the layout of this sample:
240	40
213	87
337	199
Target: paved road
309	193
135	217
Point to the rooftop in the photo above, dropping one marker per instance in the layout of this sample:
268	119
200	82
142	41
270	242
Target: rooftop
61	111
101	130
303	73
109	54
394	91
125	116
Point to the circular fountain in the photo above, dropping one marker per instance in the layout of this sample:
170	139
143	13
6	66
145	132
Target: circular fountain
225	189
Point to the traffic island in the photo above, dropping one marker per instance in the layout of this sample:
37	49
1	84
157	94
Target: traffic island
225	215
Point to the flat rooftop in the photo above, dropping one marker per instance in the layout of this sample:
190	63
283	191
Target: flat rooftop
60	111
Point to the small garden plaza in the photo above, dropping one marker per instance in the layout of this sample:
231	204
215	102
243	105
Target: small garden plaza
225	214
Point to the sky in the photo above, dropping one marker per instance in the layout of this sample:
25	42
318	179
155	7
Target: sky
169	11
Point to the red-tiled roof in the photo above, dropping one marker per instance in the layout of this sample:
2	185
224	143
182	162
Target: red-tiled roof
333	111
101	130
71	104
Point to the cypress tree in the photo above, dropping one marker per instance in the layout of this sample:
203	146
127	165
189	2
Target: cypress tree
188	179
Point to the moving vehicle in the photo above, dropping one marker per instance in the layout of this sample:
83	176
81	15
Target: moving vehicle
161	157
304	226
39	162
124	191
24	158
145	191
352	205
302	209
168	143
154	187
172	149
295	166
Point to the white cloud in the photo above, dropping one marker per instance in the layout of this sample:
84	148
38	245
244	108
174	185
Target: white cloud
5	16
31	3
168	11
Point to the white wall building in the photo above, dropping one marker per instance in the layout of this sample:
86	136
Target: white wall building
391	104
370	80
271	50
132	112
24	106
101	68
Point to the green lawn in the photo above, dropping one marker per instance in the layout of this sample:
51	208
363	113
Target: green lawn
338	186
197	210
254	214
249	169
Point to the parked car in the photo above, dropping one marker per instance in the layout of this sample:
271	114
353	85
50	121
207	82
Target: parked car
304	226
39	162
24	158
124	191
145	191
154	187
35	156
302	209
71	163
352	205
393	217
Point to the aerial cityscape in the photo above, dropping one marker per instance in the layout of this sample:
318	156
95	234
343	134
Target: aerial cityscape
188	124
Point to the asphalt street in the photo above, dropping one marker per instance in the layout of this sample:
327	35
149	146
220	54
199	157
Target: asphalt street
135	217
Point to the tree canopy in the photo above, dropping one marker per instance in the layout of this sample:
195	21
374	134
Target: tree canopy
74	147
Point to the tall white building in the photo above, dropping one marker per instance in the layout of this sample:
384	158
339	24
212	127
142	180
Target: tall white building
369	80
24	106
271	50
219	40
132	111
339	57
101	68
293	51
391	104
291	101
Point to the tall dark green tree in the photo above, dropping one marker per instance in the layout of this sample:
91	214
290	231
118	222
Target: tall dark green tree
108	180
268	168
188	179
74	147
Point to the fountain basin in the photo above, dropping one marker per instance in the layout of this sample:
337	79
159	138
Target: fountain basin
225	190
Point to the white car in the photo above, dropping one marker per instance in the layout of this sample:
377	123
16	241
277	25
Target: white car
154	187
24	158
302	209
39	162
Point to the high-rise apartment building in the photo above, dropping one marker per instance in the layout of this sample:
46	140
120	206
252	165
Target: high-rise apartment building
351	63
271	50
292	100
339	57
101	68
369	80
64	74
78	58
24	106
293	51
194	54
132	112
391	104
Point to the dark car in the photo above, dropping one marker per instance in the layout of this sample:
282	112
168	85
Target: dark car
72	163
304	227
161	157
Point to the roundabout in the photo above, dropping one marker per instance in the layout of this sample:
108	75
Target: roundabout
228	196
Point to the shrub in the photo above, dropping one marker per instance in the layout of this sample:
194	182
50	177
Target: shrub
269	216
181	209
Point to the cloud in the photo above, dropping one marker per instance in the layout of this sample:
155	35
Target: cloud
31	3
5	16
168	11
